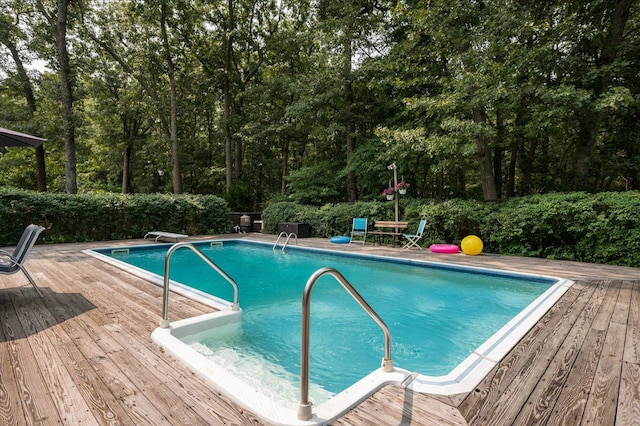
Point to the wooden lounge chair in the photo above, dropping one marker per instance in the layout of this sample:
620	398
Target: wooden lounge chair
12	263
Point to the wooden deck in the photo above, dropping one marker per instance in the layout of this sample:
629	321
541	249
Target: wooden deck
83	355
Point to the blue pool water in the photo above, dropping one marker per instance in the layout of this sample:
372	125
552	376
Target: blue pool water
437	316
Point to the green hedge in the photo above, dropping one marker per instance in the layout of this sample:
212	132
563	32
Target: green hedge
99	217
596	228
600	228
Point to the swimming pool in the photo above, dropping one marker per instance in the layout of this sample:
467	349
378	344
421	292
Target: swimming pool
433	333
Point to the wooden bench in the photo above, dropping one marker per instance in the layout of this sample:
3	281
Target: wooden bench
388	228
163	235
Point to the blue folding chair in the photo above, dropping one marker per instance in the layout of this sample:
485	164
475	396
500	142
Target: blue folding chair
359	228
414	238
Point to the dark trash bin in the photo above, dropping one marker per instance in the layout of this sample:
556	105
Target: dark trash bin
302	230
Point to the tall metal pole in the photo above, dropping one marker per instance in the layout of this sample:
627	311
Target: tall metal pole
395	192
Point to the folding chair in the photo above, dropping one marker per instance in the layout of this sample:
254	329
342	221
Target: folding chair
12	263
359	228
414	238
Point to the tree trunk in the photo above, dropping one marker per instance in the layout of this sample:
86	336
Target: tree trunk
461	180
226	91
285	166
498	152
41	169
485	161
173	126
350	125
511	177
126	167
587	136
66	95
237	159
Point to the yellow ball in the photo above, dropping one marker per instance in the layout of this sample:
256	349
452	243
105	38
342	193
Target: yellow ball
471	245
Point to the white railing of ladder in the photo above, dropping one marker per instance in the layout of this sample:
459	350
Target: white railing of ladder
288	235
164	322
304	406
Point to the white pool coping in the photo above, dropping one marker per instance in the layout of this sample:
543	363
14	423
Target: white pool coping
464	378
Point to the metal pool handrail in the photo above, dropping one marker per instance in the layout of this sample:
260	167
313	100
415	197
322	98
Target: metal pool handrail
288	235
304	406
164	323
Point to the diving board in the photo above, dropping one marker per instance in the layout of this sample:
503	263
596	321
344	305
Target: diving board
165	235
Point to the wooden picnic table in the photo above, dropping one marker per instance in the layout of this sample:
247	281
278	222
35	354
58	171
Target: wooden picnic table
384	228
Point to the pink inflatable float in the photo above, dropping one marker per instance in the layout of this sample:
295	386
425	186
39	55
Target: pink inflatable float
444	248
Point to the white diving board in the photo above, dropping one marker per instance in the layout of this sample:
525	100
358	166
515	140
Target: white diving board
165	235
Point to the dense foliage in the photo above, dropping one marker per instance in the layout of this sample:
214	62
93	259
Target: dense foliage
101	217
310	101
602	228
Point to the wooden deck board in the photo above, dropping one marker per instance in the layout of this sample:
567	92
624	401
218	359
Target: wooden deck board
632	341
502	393
628	408
29	379
71	388
94	343
82	354
581	340
603	396
137	352
400	406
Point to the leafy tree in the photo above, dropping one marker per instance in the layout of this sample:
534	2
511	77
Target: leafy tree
120	125
600	54
10	37
312	101
506	91
117	30
351	30
57	20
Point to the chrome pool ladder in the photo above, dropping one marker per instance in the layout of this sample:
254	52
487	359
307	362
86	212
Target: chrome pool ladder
304	406
288	235
164	322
